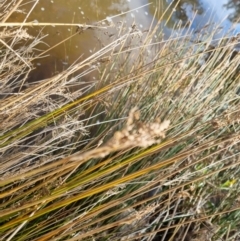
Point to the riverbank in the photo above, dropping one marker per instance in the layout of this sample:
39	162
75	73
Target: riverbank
148	150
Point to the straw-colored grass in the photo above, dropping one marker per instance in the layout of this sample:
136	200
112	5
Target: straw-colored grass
149	151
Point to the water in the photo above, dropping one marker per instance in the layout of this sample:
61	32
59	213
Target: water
194	13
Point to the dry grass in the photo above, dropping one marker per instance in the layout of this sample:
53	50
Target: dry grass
86	164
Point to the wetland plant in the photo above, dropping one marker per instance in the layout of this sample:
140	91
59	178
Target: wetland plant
148	151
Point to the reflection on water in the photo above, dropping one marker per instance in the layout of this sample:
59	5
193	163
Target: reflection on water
199	13
193	13
234	7
183	11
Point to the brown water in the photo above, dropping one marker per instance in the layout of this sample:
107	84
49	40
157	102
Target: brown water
91	11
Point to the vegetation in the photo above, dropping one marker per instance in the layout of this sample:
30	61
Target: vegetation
149	151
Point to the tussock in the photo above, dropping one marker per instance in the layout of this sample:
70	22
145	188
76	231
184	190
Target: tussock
148	151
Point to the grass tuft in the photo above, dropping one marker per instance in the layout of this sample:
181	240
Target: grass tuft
148	151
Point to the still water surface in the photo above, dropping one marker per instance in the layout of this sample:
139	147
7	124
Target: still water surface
199	13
